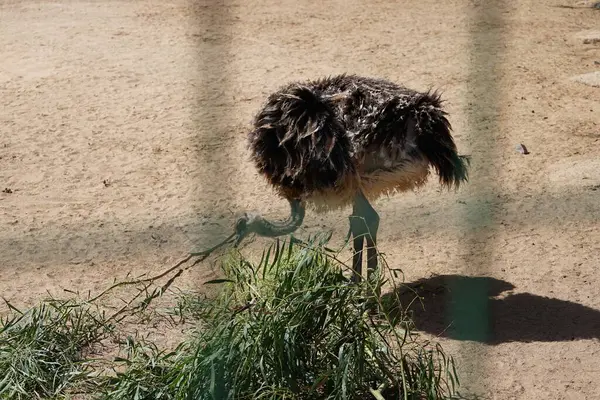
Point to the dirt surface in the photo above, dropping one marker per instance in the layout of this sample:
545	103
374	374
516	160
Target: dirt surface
122	147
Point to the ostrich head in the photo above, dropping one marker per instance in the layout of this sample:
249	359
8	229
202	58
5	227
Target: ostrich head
255	223
247	224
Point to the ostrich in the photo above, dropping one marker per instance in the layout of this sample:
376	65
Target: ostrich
347	140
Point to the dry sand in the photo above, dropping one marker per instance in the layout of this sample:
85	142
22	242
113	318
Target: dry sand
122	146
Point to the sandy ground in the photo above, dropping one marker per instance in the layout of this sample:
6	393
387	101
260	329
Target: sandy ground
122	147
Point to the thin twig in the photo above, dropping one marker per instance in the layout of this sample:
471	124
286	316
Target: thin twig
138	281
202	254
157	292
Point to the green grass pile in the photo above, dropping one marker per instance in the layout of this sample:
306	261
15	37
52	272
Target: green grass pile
43	351
292	327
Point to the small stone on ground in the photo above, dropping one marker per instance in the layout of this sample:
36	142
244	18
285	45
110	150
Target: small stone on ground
590	79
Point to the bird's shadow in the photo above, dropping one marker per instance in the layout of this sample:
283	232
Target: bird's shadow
483	309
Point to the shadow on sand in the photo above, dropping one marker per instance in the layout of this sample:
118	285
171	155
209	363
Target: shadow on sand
444	309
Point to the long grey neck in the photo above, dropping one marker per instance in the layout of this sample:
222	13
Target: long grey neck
267	228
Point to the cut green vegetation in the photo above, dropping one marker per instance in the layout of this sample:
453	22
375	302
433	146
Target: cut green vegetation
42	350
288	327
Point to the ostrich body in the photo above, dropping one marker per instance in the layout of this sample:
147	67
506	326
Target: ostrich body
347	140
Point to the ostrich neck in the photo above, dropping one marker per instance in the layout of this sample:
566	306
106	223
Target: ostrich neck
280	228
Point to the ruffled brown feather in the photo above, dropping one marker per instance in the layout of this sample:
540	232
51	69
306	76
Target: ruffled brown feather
298	142
326	139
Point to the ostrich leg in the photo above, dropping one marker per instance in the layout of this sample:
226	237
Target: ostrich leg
364	223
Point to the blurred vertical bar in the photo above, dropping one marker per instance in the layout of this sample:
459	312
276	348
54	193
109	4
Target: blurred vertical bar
213	114
469	310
